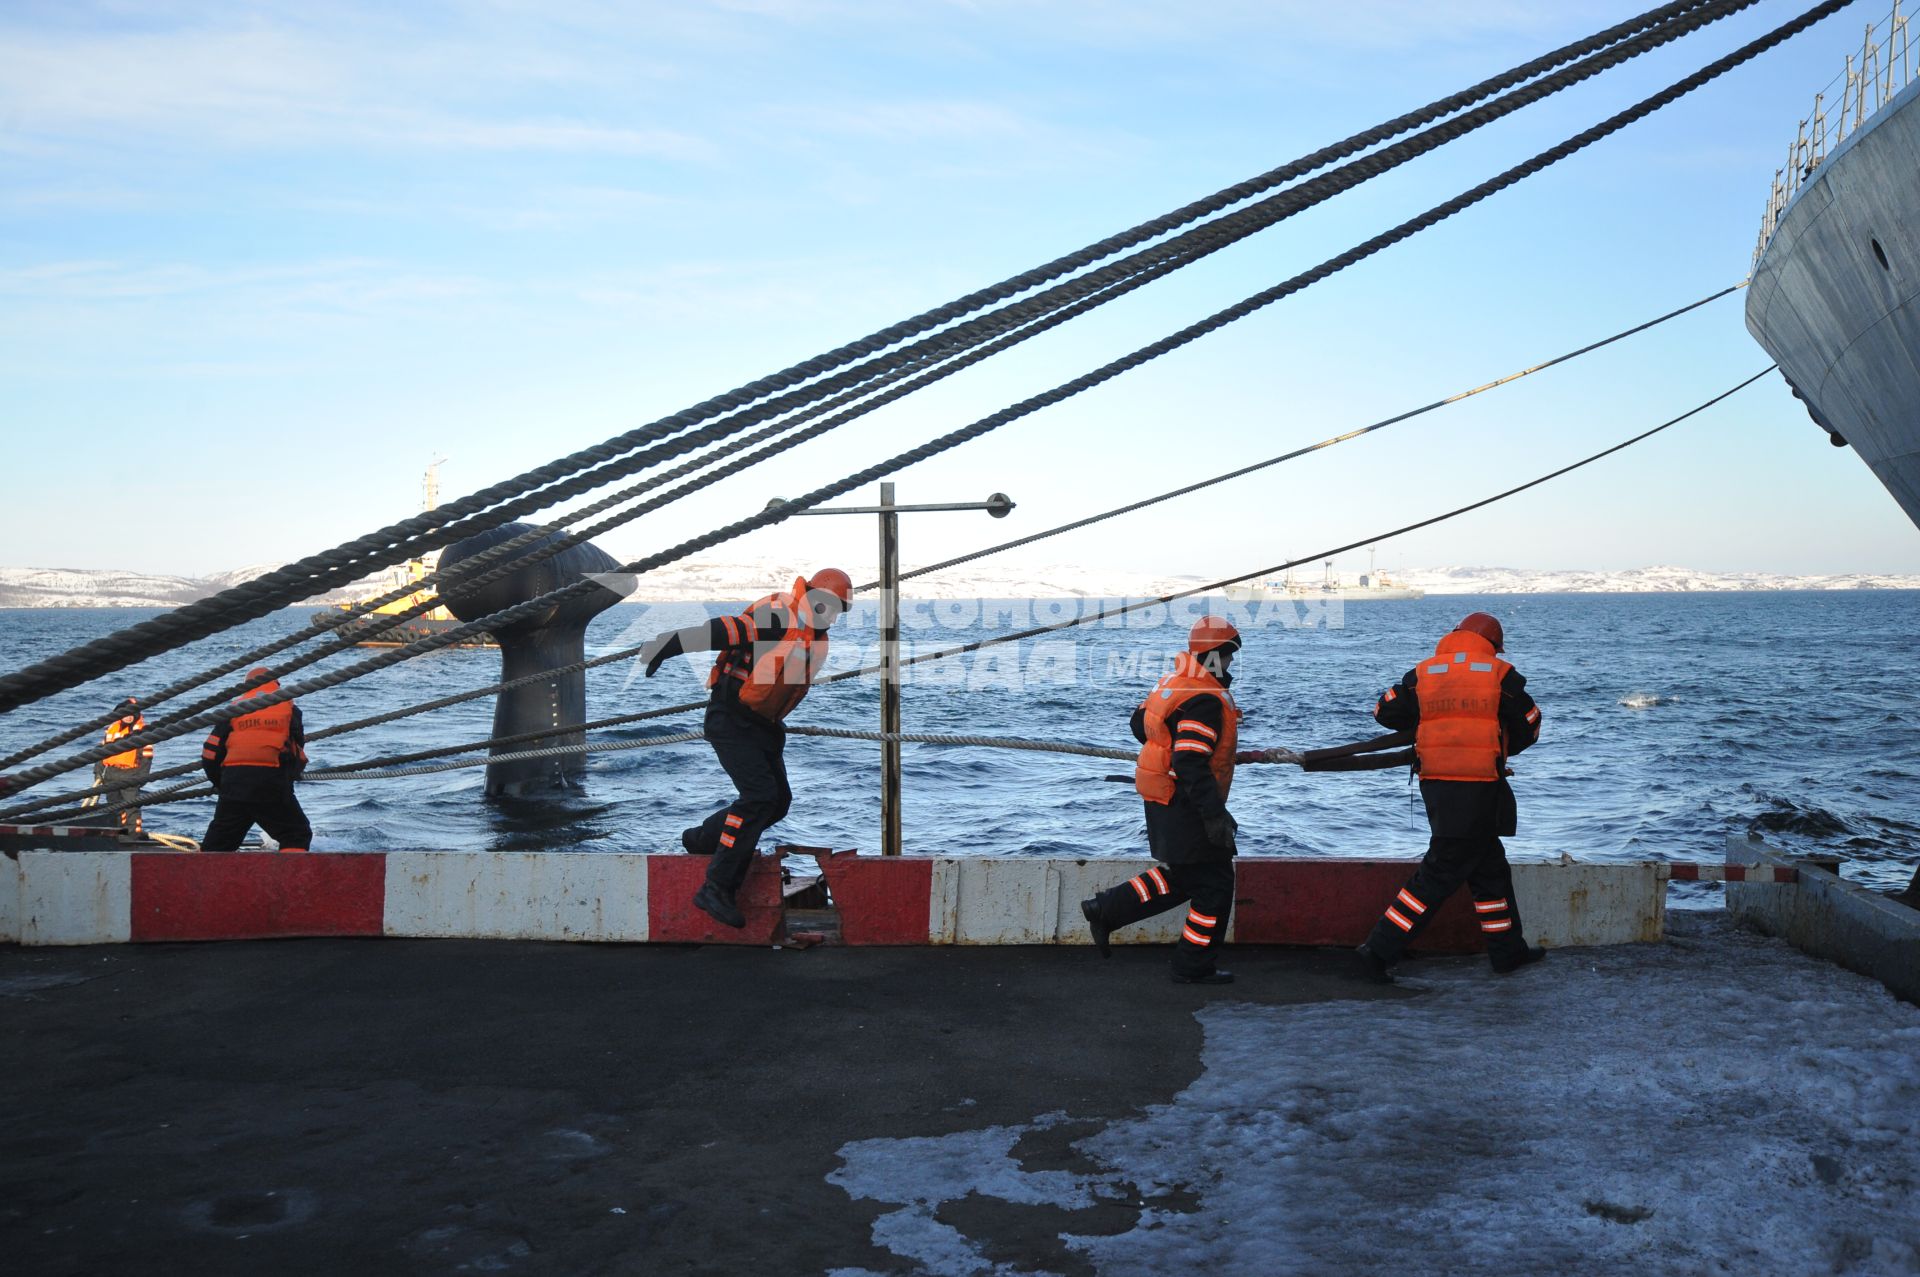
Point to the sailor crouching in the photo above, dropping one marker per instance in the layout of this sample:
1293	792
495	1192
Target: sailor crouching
1188	728
253	759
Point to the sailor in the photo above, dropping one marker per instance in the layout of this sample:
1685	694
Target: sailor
253	758
1188	728
766	658
1469	712
120	777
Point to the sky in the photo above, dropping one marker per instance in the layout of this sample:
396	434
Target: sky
261	262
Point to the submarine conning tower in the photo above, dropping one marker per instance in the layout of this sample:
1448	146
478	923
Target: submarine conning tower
549	642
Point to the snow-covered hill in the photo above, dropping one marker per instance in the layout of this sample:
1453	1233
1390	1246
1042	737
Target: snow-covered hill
1649	580
709	579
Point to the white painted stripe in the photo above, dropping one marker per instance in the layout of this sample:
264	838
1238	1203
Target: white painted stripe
517	895
9	900
76	897
1032	900
1590	904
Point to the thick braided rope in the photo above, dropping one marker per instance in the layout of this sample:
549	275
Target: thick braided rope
1206	239
1059	393
300	580
1203	240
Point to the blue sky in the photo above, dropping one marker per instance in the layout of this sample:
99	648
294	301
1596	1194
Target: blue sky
296	250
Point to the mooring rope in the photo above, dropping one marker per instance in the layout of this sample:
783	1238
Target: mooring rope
943	443
310	575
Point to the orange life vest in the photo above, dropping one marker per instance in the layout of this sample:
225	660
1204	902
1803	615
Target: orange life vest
119	730
263	737
775	680
1460	737
1153	772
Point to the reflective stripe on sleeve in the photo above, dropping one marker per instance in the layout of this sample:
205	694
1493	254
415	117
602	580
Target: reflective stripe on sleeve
1398	919
1411	901
1192	747
1503	924
1194	937
1195	725
1489	906
1140	890
1194	915
1159	880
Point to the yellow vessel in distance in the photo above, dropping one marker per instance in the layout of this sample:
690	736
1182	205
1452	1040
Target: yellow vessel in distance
434	621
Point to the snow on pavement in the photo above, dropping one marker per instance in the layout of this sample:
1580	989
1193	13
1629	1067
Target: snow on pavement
1716	1104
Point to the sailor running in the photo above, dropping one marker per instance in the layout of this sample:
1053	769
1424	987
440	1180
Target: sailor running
1469	712
1188	728
766	659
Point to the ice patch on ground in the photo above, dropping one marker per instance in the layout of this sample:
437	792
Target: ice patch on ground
1716	1104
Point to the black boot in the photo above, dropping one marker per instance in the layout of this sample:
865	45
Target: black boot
717	904
1090	910
1373	968
1513	960
1203	977
690	839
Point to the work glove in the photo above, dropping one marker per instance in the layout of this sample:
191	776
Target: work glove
1220	830
655	653
1283	756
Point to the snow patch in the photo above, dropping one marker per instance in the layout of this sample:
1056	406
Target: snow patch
1716	1104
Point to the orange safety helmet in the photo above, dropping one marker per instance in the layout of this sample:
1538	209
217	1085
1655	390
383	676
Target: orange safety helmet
259	672
1211	633
834	582
1487	627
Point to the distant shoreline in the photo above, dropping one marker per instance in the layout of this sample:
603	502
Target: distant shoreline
743	596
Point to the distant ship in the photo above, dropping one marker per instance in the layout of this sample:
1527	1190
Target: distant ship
1372	585
348	616
1836	276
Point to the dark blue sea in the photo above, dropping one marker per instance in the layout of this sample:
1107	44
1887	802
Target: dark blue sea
1670	722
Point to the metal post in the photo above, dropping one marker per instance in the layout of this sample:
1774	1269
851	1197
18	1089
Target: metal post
999	505
889	673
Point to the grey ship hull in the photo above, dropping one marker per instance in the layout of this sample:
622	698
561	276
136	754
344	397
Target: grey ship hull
1836	296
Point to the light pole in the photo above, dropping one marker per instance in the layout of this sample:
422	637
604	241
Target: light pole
999	506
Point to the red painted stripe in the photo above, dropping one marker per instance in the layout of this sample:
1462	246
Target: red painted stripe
882	900
671	917
257	895
1337	902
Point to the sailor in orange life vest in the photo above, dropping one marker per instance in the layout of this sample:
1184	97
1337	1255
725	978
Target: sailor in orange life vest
253	759
1188	728
121	776
1470	712
766	658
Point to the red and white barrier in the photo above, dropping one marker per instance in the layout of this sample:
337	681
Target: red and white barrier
1731	873
116	896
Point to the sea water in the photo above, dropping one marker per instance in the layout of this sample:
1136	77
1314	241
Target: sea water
1670	721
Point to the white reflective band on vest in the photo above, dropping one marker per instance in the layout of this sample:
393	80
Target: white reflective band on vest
1482	666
